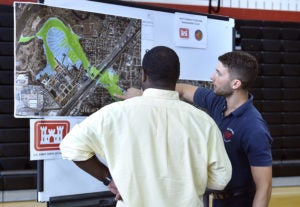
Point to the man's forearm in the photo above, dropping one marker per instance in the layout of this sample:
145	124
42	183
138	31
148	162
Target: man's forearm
261	199
186	91
94	167
98	170
263	180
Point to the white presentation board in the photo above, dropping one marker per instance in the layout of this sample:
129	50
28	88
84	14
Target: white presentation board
160	26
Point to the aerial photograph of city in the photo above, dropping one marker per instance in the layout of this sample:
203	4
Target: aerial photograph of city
71	62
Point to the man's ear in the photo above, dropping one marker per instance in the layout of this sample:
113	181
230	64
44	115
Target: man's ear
236	83
144	76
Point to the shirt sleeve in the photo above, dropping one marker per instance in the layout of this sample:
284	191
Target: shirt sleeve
219	165
257	146
207	100
79	143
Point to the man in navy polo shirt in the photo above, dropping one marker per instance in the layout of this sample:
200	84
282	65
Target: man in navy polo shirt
245	133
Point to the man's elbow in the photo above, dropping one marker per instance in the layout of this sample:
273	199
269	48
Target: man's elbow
219	184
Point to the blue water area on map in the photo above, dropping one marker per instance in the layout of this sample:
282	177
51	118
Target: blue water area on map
56	41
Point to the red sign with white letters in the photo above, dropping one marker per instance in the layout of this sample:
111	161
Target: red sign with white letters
184	33
49	133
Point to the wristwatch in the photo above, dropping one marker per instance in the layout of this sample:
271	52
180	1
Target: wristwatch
107	180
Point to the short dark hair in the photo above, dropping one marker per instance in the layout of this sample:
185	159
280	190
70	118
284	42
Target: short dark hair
241	65
161	64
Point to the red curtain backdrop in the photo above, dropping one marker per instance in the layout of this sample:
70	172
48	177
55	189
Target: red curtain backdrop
236	13
10	2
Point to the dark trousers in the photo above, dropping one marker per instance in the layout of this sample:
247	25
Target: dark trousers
206	200
245	200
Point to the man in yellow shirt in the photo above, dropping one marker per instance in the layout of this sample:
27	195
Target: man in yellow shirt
159	151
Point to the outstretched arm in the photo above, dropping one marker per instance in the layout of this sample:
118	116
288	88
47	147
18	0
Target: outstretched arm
186	91
130	93
263	180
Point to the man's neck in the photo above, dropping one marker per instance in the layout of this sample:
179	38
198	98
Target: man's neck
234	101
159	86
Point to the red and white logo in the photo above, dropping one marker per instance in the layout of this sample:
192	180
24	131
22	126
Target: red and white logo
184	33
49	133
228	134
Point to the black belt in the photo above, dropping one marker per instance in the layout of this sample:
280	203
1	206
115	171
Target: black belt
224	194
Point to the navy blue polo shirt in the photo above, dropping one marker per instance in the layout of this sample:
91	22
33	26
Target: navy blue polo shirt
246	136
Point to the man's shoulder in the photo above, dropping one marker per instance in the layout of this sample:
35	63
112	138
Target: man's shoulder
197	112
120	104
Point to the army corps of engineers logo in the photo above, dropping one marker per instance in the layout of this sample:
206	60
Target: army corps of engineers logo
49	133
184	33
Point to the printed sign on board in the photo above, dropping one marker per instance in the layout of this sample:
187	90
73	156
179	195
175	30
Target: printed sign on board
46	135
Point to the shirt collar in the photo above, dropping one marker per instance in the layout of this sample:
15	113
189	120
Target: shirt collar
159	93
239	111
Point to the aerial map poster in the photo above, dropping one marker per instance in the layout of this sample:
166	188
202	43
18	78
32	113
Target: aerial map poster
70	62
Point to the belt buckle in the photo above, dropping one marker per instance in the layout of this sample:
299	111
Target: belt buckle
219	196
